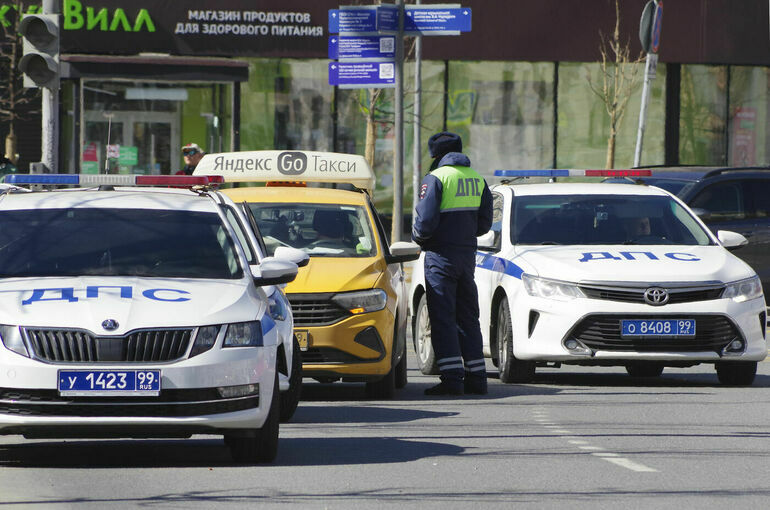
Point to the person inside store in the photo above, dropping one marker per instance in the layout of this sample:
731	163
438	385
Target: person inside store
192	154
455	207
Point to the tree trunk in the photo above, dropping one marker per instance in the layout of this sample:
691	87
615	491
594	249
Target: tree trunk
10	145
611	150
371	129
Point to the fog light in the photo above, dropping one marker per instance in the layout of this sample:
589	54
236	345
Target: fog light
736	345
238	391
571	344
575	346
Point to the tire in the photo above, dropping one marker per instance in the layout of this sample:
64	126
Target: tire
262	446
426	359
290	398
400	375
384	388
512	370
737	373
644	369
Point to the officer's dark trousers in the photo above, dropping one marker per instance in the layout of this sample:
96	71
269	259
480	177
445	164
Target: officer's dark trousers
453	307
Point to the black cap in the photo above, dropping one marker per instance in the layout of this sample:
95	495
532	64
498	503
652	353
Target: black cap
443	143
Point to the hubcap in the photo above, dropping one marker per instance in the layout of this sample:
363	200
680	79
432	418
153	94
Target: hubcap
502	337
423	335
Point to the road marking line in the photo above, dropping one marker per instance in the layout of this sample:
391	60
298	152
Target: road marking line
633	466
590	447
606	454
573	441
563	431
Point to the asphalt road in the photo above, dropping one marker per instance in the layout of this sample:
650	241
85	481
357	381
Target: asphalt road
577	438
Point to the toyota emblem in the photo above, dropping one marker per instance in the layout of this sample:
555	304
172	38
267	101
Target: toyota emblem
656	296
110	324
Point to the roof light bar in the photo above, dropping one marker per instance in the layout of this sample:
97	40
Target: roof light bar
115	180
572	173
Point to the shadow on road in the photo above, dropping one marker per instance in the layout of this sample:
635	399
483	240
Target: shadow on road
317	451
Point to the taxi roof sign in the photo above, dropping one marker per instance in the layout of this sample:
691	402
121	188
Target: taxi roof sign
307	166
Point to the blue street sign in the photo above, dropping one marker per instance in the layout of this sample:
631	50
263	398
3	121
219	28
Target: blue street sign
387	18
360	19
363	46
426	20
353	75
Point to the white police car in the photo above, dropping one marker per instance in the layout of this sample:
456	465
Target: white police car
128	312
624	275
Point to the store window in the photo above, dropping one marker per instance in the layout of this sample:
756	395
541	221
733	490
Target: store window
504	112
703	111
749	139
287	104
584	125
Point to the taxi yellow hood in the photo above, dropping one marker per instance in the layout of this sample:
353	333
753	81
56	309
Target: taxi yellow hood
332	274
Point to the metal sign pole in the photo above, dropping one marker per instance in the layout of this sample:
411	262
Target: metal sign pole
398	139
50	113
417	143
649	75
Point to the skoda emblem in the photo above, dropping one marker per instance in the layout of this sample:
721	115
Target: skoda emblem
110	324
656	296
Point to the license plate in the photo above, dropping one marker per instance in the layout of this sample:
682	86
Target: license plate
113	383
302	338
658	327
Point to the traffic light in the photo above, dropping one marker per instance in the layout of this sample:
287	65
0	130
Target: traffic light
40	58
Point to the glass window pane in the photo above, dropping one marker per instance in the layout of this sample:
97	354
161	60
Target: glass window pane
702	116
504	112
749	116
584	125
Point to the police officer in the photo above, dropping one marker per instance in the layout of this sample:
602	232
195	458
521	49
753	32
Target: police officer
455	207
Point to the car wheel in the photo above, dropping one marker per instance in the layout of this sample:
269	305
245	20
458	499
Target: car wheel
644	369
384	388
736	373
262	446
512	370
290	398
401	376
426	359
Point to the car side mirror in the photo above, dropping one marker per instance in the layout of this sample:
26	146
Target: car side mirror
295	255
273	272
402	251
731	240
487	241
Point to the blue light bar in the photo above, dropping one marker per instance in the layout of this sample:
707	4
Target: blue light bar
42	179
531	173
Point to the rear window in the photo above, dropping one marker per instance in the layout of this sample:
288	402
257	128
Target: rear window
604	219
116	242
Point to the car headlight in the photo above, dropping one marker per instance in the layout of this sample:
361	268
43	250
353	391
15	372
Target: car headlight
362	301
550	289
11	337
204	340
276	307
244	334
743	290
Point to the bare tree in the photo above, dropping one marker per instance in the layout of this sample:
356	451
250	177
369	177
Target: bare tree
13	96
620	76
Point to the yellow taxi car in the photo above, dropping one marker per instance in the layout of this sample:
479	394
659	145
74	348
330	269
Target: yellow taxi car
350	303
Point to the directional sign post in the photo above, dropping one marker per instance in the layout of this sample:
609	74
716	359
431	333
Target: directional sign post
368	53
651	24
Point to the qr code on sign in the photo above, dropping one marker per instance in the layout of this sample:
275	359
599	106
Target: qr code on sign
387	44
387	71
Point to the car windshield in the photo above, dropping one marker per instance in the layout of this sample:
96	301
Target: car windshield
604	219
116	242
321	230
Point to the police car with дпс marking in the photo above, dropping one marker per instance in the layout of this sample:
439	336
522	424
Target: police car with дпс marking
591	274
136	312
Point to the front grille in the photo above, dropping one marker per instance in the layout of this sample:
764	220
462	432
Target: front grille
311	310
636	294
316	355
170	403
602	333
78	346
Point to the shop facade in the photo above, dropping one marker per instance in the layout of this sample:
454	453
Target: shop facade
150	77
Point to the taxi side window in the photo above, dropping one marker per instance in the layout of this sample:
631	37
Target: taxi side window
497	217
241	235
724	201
759	190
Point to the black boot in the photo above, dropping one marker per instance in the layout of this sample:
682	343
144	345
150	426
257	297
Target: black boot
445	388
474	385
